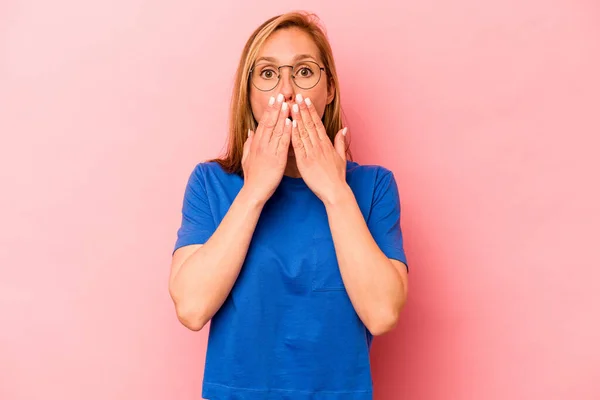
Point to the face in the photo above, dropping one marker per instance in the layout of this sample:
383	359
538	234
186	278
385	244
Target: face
284	46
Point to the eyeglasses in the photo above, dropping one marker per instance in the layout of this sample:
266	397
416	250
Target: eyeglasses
305	74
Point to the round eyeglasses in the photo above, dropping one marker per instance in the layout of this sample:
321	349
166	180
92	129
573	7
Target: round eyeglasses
305	75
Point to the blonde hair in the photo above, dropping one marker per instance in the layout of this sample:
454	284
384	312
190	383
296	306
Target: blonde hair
241	118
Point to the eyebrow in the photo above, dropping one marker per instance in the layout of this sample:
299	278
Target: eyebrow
298	57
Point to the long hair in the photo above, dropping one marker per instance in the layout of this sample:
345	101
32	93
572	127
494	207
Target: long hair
240	116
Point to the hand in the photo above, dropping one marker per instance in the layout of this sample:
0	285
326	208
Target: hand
266	152
321	163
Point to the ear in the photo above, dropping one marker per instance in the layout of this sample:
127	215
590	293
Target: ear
330	90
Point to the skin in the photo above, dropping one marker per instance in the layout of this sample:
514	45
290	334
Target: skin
376	285
284	45
202	276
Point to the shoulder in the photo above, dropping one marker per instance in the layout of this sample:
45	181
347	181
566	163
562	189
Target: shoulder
210	174
368	174
210	170
207	167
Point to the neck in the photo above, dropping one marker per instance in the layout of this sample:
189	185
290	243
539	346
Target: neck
291	168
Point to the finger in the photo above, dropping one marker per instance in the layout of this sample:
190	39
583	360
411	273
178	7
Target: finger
316	119
309	124
303	134
264	118
278	130
247	145
284	141
271	120
340	143
297	142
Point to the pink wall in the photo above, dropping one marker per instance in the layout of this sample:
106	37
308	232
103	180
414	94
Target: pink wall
487	112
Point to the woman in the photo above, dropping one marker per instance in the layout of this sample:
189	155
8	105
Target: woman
292	251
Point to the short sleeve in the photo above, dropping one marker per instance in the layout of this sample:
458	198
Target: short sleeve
384	217
197	223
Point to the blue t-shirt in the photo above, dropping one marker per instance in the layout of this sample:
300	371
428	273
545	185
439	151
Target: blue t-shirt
288	330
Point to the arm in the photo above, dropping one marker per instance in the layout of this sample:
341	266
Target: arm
202	275
377	285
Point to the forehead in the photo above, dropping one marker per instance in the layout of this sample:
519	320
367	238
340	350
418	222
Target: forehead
285	44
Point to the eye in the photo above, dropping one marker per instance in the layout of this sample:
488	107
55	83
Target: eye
304	72
268	73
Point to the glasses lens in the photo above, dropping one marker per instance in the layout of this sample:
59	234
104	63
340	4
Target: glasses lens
265	76
306	74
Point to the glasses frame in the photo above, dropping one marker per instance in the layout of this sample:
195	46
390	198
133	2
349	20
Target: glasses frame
291	73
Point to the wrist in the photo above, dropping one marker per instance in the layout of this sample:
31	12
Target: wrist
341	194
251	197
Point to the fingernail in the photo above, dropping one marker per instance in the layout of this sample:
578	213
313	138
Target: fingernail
272	101
279	98
295	107
344	131
248	132
307	101
294	123
284	106
298	98
287	121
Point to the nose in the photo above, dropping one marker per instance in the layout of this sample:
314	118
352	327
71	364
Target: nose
286	85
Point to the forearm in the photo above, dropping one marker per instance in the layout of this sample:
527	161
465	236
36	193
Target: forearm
372	282
206	278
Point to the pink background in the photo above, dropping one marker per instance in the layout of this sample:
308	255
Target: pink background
486	111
